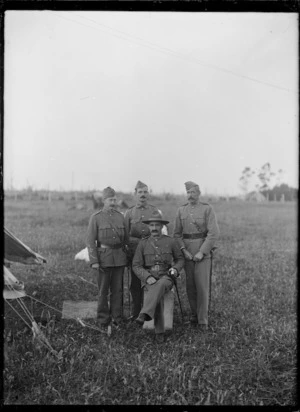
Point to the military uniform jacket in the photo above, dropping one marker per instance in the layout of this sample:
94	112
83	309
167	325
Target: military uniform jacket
134	225
166	251
195	219
107	228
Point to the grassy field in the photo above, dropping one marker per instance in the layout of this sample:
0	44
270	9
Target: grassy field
247	357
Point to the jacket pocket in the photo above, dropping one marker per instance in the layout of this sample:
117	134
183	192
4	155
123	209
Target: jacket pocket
150	258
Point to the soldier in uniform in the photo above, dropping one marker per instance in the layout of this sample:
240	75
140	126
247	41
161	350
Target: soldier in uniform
196	229
137	230
153	264
106	241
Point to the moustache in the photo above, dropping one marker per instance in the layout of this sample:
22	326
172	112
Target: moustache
154	231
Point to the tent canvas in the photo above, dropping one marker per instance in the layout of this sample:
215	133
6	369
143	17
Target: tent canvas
16	251
12	287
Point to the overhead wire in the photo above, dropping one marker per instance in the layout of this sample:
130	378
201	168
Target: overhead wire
146	43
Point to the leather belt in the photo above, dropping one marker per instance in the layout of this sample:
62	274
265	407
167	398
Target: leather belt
158	270
116	246
158	266
194	236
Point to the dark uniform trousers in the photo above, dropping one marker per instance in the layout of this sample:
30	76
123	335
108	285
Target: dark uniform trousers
197	230
154	302
110	279
137	230
154	257
106	235
197	287
136	294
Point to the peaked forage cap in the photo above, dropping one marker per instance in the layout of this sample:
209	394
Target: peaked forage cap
156	217
140	185
108	192
189	185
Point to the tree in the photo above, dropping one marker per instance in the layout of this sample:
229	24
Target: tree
246	179
266	178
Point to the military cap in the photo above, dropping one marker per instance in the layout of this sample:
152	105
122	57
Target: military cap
139	185
189	185
108	192
156	217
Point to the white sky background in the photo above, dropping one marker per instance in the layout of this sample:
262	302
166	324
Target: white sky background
96	99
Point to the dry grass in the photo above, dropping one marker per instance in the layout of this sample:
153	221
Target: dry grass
247	357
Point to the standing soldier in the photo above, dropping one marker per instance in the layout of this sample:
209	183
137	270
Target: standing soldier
156	260
106	240
197	230
137	230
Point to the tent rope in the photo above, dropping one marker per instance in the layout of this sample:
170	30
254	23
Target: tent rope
18	313
22	304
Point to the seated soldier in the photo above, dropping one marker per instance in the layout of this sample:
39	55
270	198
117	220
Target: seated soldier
152	263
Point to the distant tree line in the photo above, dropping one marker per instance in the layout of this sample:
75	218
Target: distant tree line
268	183
277	193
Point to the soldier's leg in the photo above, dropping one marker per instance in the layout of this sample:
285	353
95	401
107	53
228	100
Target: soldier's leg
116	288
202	285
136	294
191	290
103	280
153	295
159	321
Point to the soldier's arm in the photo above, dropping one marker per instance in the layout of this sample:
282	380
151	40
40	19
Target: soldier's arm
127	220
138	263
177	256
92	234
177	232
213	232
126	233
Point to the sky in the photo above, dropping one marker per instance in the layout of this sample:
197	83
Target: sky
97	99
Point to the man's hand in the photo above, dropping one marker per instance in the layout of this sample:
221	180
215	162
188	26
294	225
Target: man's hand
198	257
151	280
173	272
95	266
187	254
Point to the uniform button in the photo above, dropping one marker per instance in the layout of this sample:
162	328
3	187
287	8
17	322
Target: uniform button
114	237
